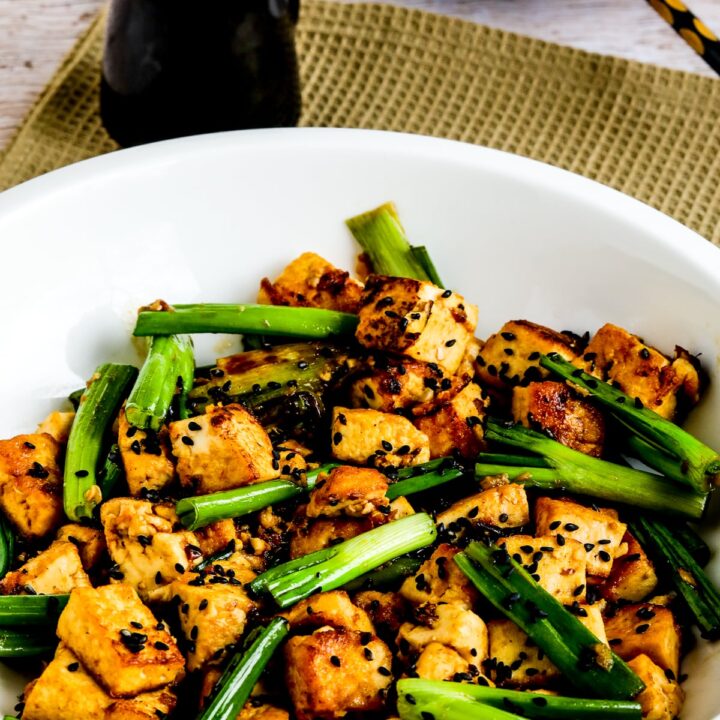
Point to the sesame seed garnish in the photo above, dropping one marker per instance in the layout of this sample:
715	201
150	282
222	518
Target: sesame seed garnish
555	525
135	447
203	604
29	445
335	660
38	471
192	425
337	438
508	336
645	354
578	590
450	343
73	667
387	445
384	671
159	645
604	556
560	540
615	641
503	517
180	568
187	440
446	294
589	546
368	653
81	473
571	527
640	629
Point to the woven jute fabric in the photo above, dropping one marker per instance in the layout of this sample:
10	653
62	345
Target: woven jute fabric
650	132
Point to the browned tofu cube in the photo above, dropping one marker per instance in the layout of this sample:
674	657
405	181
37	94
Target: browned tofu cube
369	437
333	672
502	506
512	355
55	571
89	542
559	565
311	281
439	662
223	449
633	575
641	371
145	457
646	629
147	544
449	624
599	531
439	579
456	426
31	484
119	640
57	424
349	491
146	706
329	609
310	535
553	407
662	697
386	610
417	319
216	536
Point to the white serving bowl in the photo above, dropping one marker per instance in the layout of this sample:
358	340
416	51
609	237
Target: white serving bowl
205	218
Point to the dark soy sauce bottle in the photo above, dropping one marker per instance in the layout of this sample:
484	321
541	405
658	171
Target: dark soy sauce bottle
183	67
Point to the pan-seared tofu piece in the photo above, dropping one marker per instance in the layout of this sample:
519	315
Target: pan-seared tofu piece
416	318
449	624
387	611
89	541
456	426
31	483
223	449
310	535
57	424
213	611
641	371
557	564
440	662
553	407
662	697
66	691
119	641
503	506
216	536
333	672
646	629
633	575
329	609
369	437
348	491
145	457
148	545
55	571
599	531
512	355
311	281
439	579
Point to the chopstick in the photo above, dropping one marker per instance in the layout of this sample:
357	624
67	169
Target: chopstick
691	29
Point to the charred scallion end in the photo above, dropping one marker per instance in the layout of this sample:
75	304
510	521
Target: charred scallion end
584	661
688	578
7	545
382	236
575	472
168	368
23	644
415	695
17	610
693	463
335	566
298	322
95	416
244	670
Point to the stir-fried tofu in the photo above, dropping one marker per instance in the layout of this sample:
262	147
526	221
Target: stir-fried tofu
440	662
223	449
57	424
213	610
641	371
369	437
553	407
216	536
416	318
662	697
456	426
503	506
599	531
349	491
148	545
54	571
633	575
310	535
449	624
31	484
145	457
119	640
333	672
646	629
66	691
386	610
439	579
311	281
512	355
329	609
89	542
559	565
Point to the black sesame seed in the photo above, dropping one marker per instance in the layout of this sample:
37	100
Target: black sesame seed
508	335
159	645
135	447
503	517
615	641
604	556
571	527
384	671
368	653
29	445
578	590
192	425
337	438
645	354
203	604
73	667
555	525
560	540
589	546
446	294
81	473
187	440
387	445
180	568
38	471
450	343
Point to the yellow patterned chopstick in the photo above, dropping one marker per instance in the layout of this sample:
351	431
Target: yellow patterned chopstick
691	29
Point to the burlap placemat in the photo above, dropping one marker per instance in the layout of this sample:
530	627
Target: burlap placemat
650	132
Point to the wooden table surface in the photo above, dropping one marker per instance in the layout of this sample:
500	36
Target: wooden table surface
36	34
